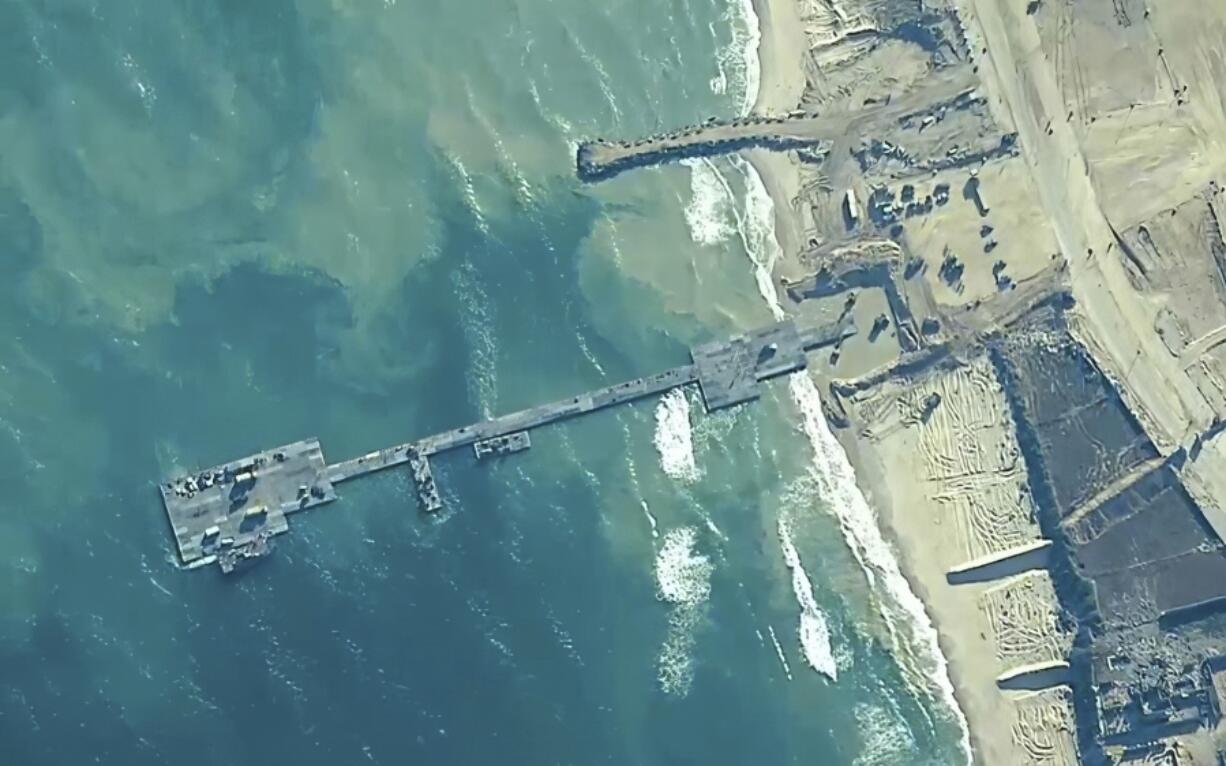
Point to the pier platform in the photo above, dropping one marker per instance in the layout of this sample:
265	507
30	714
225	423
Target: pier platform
228	514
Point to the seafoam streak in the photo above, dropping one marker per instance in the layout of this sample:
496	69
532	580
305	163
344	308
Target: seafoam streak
813	631
886	739
783	660
738	63
683	580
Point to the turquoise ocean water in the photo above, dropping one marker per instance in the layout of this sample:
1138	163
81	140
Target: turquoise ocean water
226	225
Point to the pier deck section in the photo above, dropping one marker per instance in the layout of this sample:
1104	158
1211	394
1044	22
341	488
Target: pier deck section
230	512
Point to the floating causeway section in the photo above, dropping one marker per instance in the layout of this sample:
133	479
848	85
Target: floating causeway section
229	514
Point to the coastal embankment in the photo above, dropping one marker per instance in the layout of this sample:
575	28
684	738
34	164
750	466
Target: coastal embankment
597	160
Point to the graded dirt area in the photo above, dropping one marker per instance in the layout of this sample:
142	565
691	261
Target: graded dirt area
958	492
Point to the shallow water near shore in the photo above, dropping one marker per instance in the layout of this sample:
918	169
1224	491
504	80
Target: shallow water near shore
230	228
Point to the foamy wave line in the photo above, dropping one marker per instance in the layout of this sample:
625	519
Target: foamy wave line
711	204
683	579
737	64
752	63
673	438
682	576
860	527
758	235
783	660
920	652
587	353
651	519
886	738
813	631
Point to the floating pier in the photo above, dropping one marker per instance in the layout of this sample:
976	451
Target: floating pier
229	514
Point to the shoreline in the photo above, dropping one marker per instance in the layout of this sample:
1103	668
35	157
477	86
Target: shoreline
781	83
782	80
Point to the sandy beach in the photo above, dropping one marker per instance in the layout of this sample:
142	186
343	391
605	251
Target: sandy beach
781	85
1000	197
985	629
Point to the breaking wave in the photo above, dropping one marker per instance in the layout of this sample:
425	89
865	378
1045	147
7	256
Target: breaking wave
674	438
813	631
886	739
913	636
737	63
709	213
683	577
683	580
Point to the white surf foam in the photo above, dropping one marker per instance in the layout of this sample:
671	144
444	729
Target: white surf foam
739	69
673	438
709	213
719	83
683	576
886	739
683	580
913	636
752	64
813	632
758	235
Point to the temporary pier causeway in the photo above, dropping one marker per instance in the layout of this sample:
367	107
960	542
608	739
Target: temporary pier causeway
228	514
